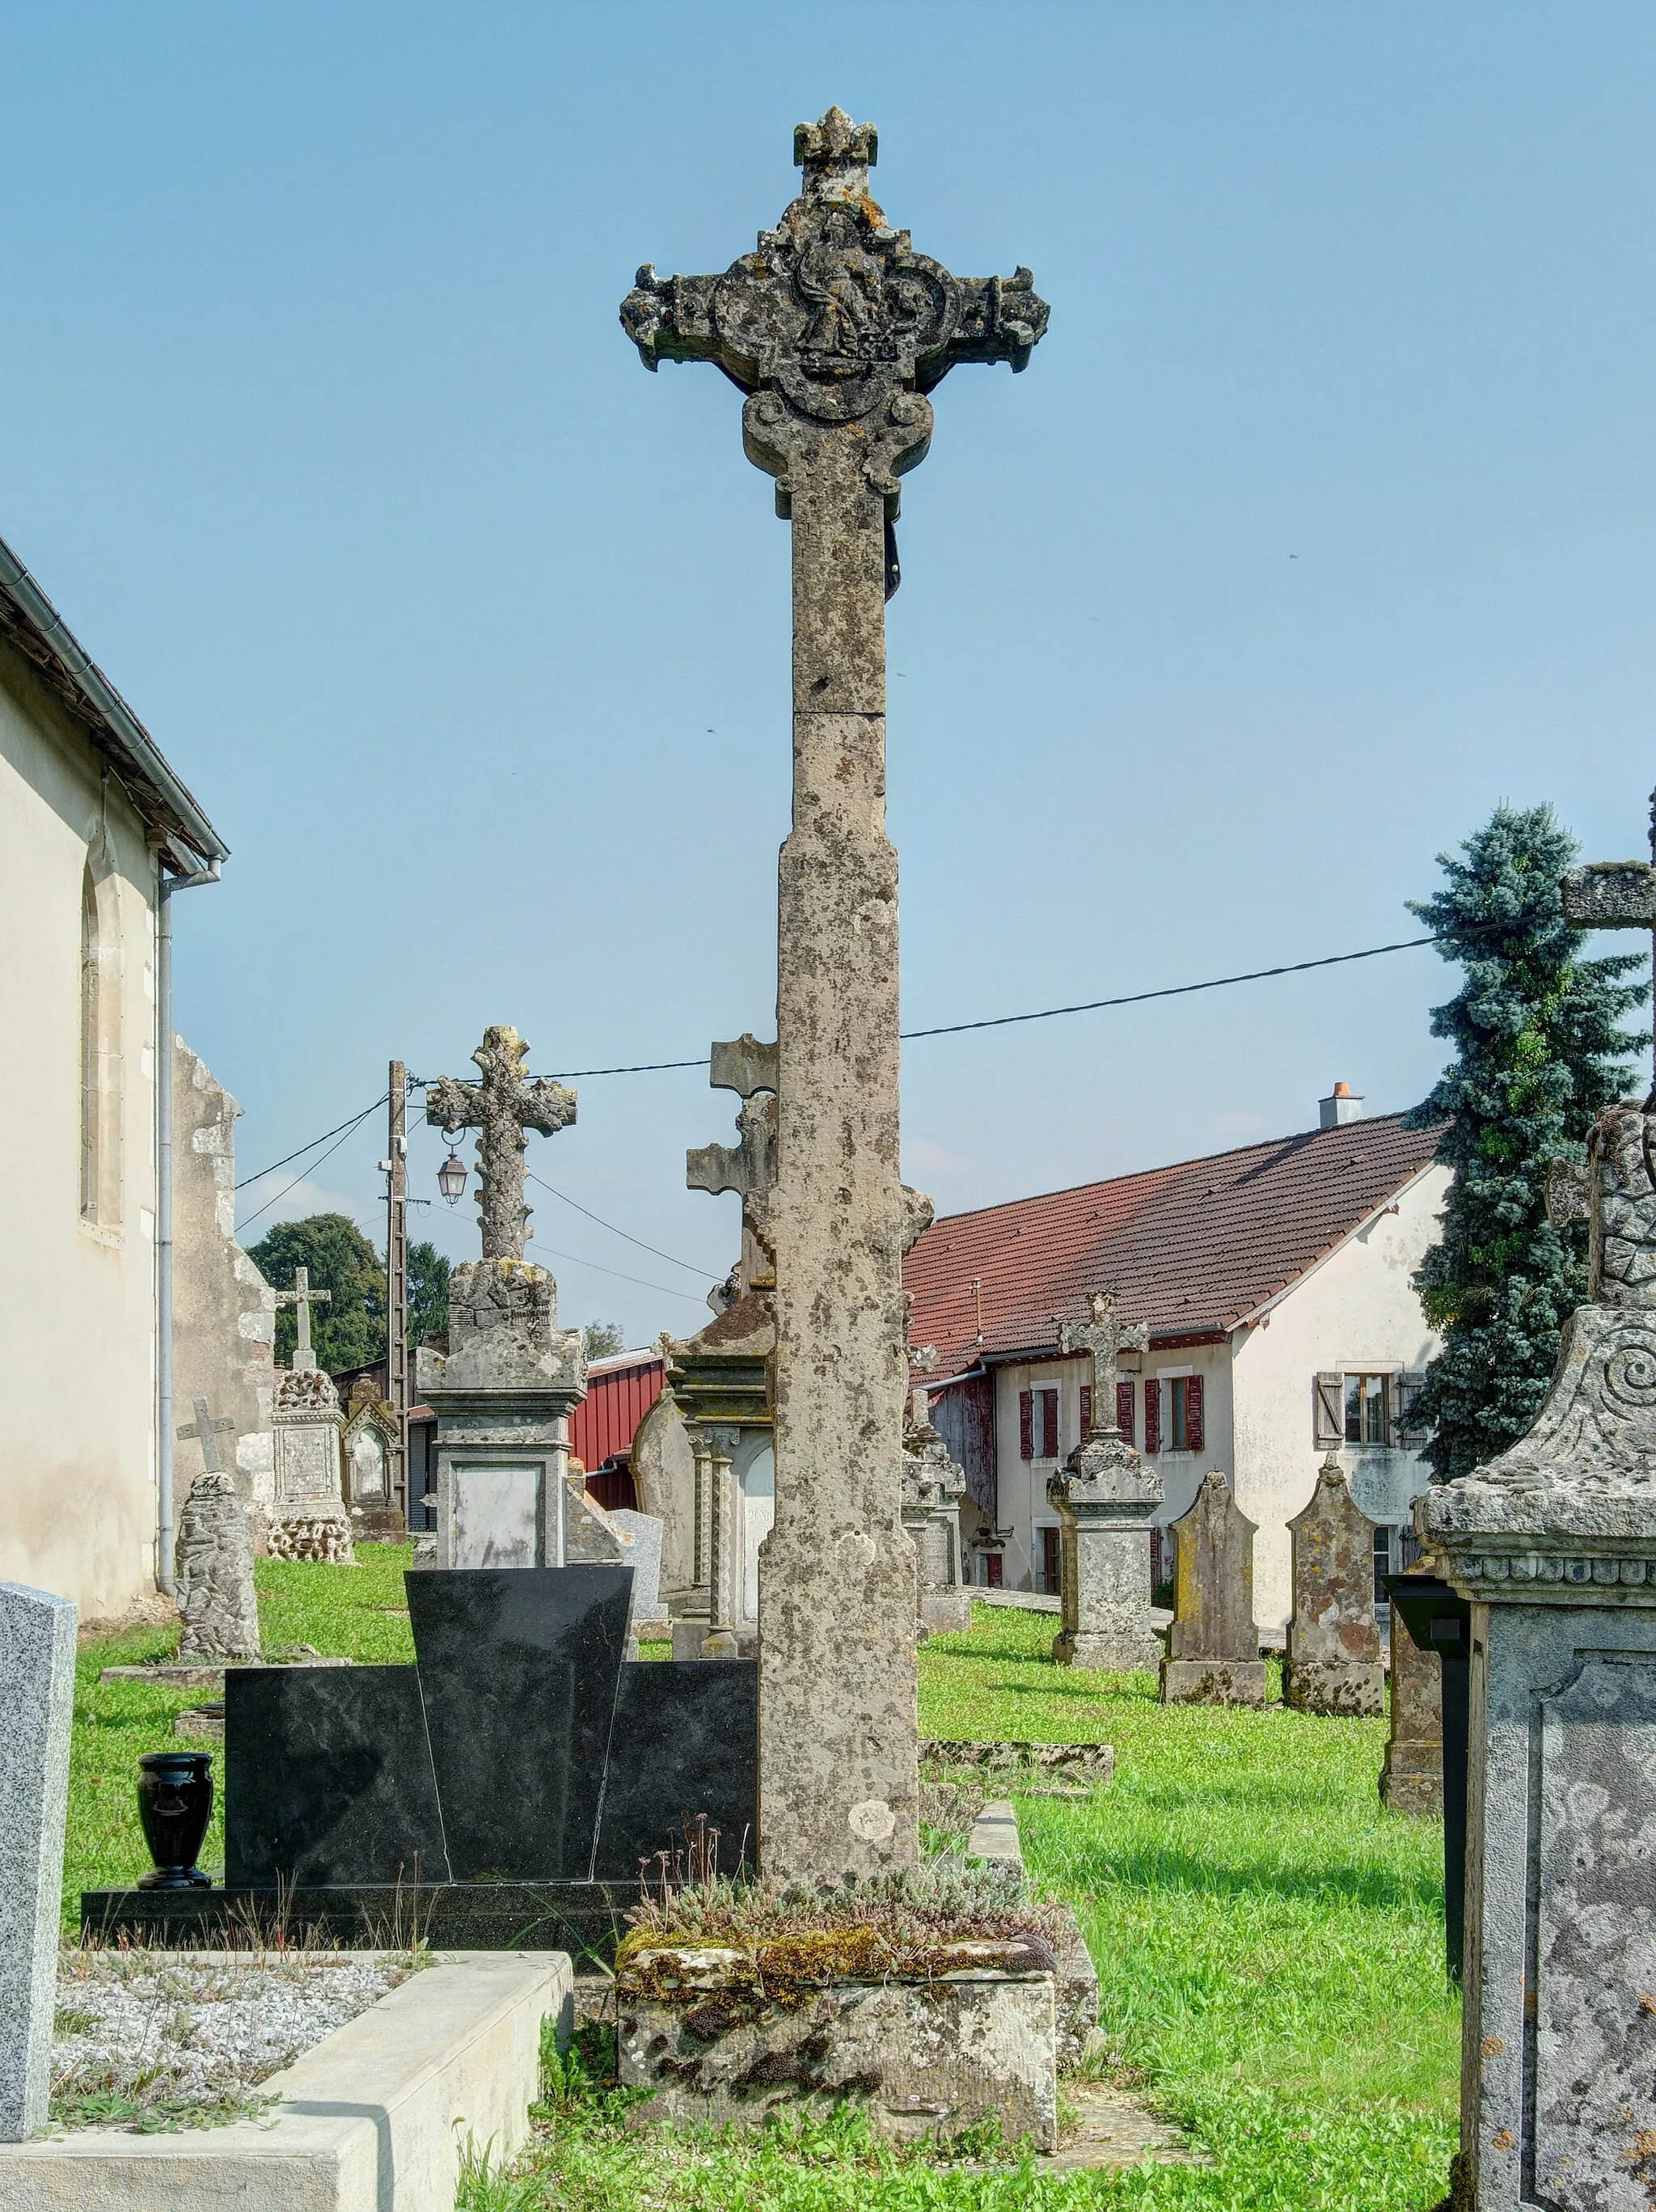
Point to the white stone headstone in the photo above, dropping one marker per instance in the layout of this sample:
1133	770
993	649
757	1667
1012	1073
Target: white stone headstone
496	1515
644	1560
37	1696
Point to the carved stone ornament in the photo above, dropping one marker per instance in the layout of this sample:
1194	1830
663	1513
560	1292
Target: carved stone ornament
834	318
500	1108
1585	1473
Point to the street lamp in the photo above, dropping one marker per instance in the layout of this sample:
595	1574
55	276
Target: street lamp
451	1177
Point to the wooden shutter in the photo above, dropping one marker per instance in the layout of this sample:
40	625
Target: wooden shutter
1086	1409
1026	1424
1049	1424
1412	1432
1124	1420
997	1567
1328	1411
1193	1427
1152	1414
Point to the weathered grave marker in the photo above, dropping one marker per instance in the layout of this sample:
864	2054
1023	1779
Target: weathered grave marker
214	1556
1411	1773
836	329
1213	1645
1333	1663
1104	1499
37	1694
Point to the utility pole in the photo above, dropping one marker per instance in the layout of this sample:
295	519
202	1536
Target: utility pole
395	1167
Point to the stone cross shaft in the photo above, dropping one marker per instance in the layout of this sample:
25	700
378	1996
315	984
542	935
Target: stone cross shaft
1618	894
500	1107
747	1167
207	1430
836	329
1106	1339
301	1297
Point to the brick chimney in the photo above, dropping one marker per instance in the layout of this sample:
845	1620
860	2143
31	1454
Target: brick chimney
1341	1107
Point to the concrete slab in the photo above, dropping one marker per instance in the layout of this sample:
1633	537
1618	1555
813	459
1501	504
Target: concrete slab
373	2119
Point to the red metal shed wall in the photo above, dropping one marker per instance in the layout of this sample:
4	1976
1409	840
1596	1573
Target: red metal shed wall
607	1419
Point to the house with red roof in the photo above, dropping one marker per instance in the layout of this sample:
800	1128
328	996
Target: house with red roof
1274	1283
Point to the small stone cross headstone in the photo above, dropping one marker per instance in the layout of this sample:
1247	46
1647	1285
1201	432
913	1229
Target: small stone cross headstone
1333	1663
213	1557
500	1107
302	1297
1104	1499
37	1695
1213	1645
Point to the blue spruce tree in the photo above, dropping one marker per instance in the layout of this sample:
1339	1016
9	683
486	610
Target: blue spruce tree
1538	1050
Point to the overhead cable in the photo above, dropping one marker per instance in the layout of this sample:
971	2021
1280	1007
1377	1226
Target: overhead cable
689	1266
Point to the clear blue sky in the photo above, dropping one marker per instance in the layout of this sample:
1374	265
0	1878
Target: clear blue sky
1322	520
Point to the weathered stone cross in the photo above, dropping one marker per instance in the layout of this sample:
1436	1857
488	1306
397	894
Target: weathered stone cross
500	1108
1618	894
302	1297
1106	1337
836	329
749	1068
208	1432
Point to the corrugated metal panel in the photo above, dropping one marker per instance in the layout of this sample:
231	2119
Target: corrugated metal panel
606	1421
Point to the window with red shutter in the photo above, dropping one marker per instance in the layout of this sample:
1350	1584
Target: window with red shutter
1193	1424
1049	1424
1086	1408
1124	1410
1152	1415
1026	1424
996	1565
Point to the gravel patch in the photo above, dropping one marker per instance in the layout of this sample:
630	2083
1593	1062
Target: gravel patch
146	2041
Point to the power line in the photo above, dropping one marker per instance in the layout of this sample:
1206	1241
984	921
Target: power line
575	1260
348	1127
247	1180
687	1265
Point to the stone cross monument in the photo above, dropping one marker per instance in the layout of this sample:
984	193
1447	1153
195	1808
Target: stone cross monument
836	329
205	1430
1106	1339
500	1108
1555	1544
301	1297
749	1166
1104	1499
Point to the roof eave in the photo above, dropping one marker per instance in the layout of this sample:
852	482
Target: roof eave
41	634
1251	1318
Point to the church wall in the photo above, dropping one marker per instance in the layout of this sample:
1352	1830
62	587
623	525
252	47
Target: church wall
1356	1313
77	1291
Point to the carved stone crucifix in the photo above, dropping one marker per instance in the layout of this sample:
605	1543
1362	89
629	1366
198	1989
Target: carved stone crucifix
749	1167
1618	894
500	1107
302	1297
836	329
206	1431
1106	1337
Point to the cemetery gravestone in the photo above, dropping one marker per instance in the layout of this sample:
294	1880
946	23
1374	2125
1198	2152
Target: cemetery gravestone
307	1519
36	1693
1411	1773
932	1488
644	1531
1554	1543
1213	1644
505	1388
836	329
213	1556
1104	1499
1333	1663
369	1447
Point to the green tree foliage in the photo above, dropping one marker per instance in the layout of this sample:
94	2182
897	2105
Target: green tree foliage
1537	1052
350	1330
428	1272
601	1338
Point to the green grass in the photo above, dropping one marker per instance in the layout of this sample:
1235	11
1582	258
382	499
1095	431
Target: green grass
1269	1942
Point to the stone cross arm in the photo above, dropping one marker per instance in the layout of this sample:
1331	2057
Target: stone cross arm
207	1431
750	1166
542	1104
1106	1339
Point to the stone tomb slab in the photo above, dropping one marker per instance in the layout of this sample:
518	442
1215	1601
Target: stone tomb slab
686	1742
519	1669
328	1779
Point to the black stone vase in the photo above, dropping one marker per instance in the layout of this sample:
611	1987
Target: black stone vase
175	1803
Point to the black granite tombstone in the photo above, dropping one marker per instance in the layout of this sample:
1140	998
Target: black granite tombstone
685	1746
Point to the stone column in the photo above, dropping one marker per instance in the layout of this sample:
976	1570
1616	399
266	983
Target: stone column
37	1693
719	1642
1554	1543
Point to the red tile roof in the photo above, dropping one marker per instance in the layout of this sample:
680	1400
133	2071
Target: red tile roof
1189	1248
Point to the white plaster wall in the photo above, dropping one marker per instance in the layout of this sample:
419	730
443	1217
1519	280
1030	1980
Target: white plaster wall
1358	1310
77	1308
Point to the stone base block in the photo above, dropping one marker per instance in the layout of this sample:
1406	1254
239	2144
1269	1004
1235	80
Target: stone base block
1351	1691
378	1524
323	1537
1213	1681
918	2059
1116	1651
376	2114
946	1612
1411	1780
